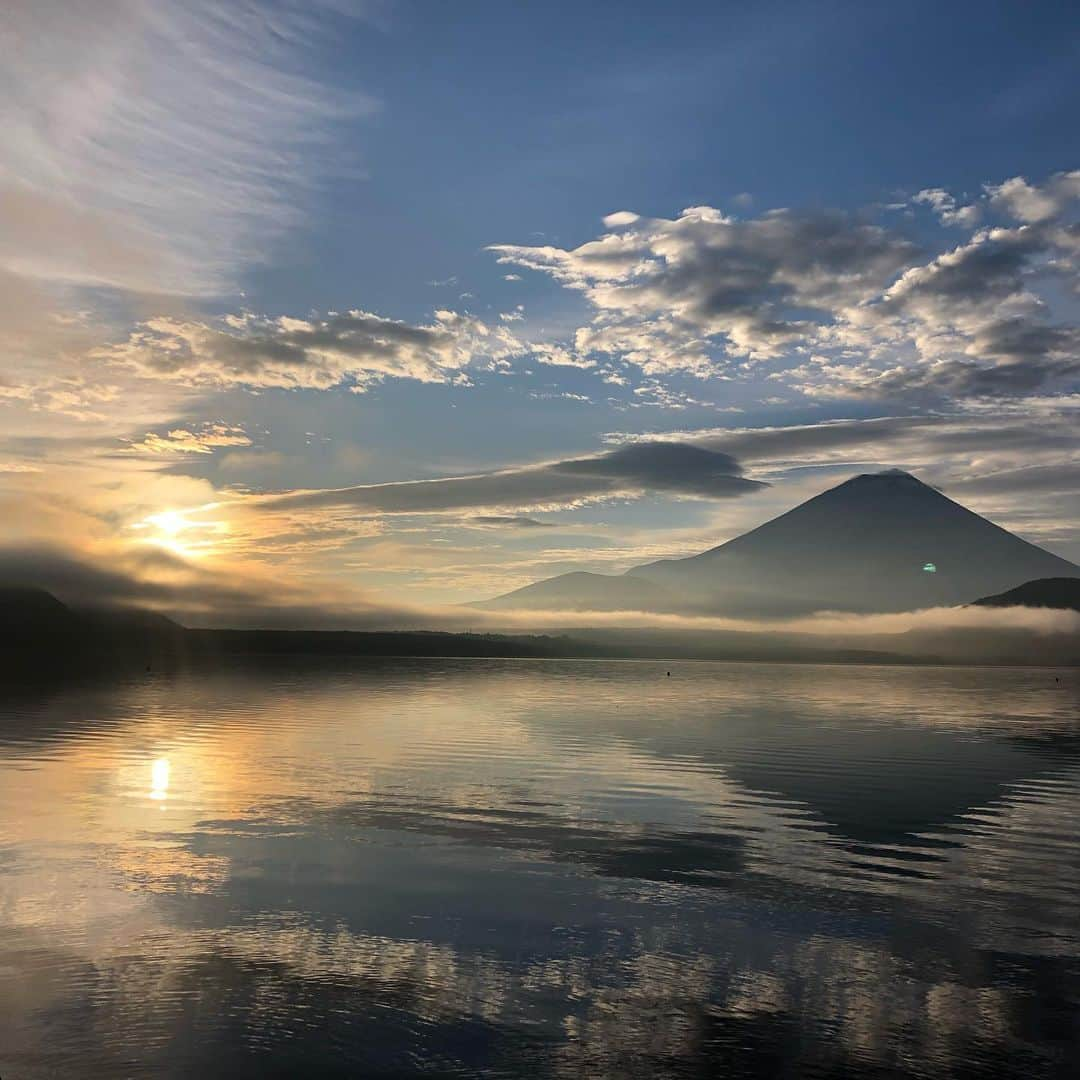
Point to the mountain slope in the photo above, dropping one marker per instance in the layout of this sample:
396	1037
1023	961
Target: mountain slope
588	592
26	611
1062	593
878	542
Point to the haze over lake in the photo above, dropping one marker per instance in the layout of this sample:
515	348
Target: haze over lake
544	868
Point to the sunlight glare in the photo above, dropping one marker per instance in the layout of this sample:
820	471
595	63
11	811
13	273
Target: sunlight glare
159	779
174	531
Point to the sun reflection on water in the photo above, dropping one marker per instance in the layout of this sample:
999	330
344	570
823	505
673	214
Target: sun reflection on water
159	779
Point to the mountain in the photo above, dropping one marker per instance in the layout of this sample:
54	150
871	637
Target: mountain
25	610
1062	593
878	542
38	632
581	591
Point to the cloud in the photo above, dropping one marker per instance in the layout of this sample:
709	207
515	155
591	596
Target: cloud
855	309
977	326
620	219
354	348
154	146
945	206
970	443
657	467
205	439
849	629
755	285
1035	203
512	521
200	595
152	153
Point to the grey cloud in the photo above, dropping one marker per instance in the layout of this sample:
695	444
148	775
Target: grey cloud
925	438
987	269
1031	202
994	448
977	326
1035	479
1020	339
668	468
756	284
512	521
934	383
356	347
874	316
781	443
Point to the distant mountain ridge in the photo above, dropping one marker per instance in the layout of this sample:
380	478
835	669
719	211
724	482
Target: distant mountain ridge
1061	594
879	542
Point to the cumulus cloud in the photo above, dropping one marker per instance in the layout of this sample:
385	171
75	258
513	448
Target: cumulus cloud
354	348
976	324
756	286
946	207
1035	203
668	468
853	308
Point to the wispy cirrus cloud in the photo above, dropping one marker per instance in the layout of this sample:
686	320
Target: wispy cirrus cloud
158	147
153	153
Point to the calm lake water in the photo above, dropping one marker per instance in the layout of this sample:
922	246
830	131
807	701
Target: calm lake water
534	868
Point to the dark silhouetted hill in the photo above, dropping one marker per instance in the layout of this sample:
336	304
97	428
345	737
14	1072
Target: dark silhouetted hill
39	631
1060	593
29	611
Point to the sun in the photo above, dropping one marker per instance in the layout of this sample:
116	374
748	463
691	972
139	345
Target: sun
174	531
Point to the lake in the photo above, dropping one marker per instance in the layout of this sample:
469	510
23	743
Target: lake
541	868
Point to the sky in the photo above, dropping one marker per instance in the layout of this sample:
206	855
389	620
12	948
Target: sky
344	312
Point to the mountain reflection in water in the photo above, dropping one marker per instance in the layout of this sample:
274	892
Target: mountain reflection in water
567	869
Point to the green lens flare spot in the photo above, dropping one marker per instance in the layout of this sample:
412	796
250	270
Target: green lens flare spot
930	568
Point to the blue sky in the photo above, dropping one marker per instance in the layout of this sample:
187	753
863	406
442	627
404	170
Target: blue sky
333	245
